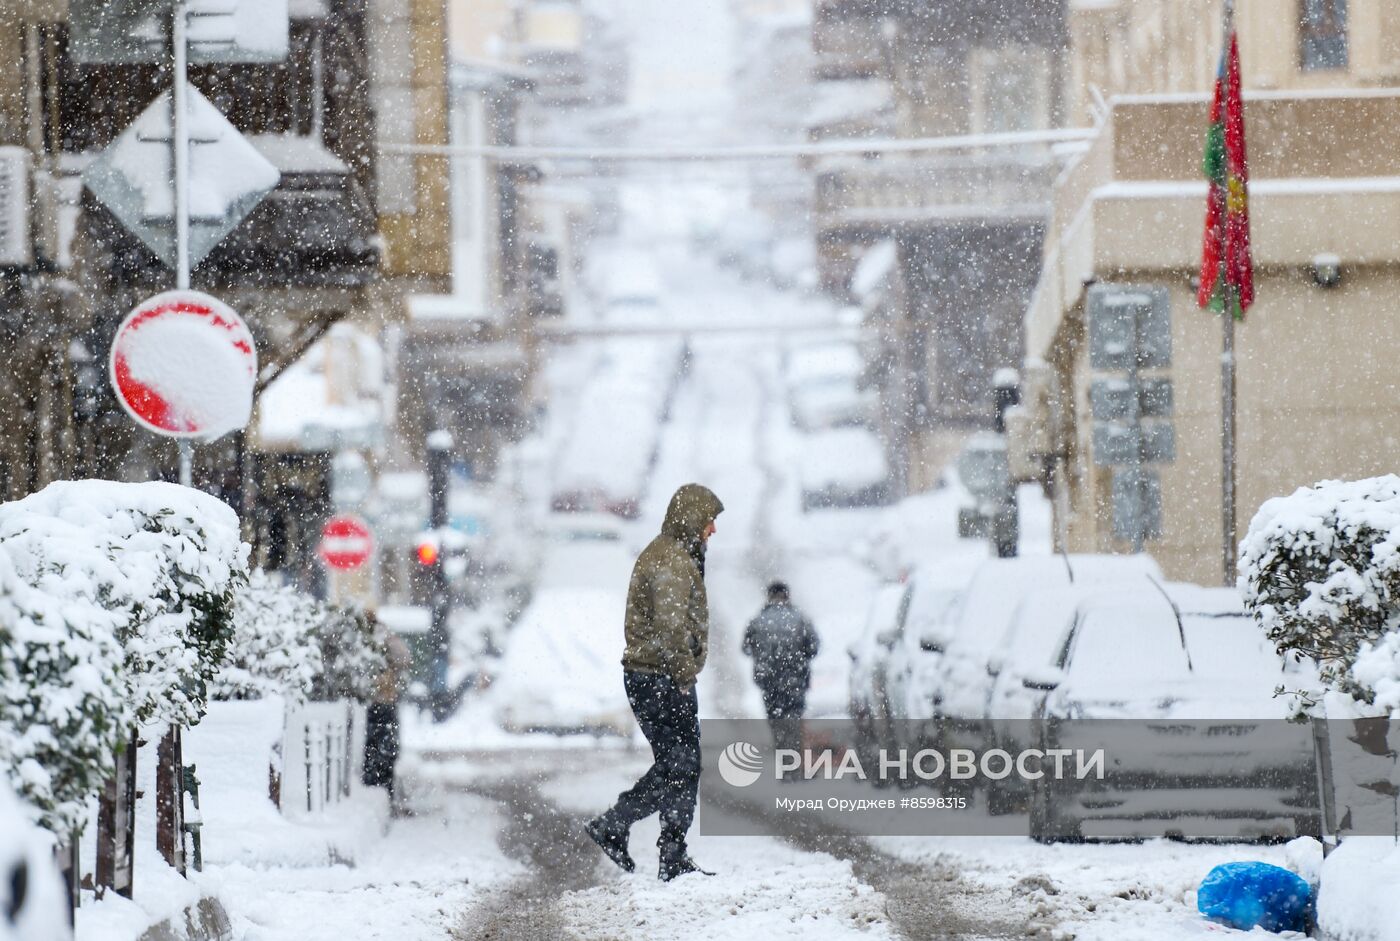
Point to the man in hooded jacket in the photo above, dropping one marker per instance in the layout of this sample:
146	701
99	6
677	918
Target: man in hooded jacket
667	631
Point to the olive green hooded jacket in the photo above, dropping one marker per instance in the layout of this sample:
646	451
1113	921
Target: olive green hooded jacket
668	617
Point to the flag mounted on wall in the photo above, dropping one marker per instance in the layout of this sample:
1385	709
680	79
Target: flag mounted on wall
1227	269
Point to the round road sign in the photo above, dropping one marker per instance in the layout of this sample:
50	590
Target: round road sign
183	365
345	542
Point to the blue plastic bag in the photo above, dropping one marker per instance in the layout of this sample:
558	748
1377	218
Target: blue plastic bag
1250	895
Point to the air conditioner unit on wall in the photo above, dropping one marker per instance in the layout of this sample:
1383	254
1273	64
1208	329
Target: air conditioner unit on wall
16	245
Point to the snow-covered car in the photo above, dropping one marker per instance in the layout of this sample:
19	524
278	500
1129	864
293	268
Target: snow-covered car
1212	753
832	402
823	382
561	671
953	683
884	622
32	906
915	649
843	467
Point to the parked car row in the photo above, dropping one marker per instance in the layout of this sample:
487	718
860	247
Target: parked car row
1029	652
843	461
604	464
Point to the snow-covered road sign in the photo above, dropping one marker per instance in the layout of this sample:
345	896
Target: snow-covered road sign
183	365
133	32
346	542
228	178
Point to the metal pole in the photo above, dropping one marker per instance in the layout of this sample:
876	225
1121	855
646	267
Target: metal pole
1227	388
1227	442
439	457
180	143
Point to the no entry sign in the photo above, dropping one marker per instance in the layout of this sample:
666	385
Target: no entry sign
183	365
345	542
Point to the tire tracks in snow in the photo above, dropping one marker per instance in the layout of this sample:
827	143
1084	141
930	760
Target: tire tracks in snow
558	858
923	901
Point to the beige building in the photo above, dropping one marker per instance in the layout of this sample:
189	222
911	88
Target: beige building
1317	392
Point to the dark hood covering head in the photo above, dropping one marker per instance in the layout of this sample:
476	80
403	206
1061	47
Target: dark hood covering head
692	510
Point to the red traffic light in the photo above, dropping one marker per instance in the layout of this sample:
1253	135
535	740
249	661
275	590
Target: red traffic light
427	553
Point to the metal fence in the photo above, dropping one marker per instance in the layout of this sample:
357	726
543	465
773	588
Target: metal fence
322	753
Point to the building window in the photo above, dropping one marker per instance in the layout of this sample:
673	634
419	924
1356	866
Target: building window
1009	89
1322	34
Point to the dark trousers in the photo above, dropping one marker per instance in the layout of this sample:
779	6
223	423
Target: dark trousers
381	745
784	704
670	721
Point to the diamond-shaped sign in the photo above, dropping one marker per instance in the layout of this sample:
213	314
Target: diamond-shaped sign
227	177
132	32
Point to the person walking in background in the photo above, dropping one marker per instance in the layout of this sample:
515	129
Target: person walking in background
782	643
382	717
668	633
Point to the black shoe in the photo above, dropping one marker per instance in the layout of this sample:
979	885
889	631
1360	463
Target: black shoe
675	861
611	841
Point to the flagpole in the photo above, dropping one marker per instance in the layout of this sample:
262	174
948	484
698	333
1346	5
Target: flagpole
1227	398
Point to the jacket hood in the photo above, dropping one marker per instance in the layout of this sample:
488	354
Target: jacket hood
692	509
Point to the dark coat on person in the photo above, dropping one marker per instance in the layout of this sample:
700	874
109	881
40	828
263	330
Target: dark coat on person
782	643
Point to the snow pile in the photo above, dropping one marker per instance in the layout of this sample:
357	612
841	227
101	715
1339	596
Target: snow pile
274	649
31	892
118	610
1357	901
1320	569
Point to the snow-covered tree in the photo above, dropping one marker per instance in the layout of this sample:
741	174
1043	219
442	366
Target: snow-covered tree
1320	570
276	648
352	656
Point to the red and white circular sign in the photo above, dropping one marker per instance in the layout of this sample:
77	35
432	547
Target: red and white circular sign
345	542
183	365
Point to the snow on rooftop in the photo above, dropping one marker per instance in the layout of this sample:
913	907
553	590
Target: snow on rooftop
297	153
874	267
332	394
849	99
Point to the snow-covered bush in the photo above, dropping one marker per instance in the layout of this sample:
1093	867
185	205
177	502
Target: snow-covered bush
164	559
276	648
352	656
117	609
1320	570
63	707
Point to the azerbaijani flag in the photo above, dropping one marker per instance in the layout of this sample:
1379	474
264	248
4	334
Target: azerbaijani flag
1227	270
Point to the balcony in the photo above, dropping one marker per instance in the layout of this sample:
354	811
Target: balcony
881	196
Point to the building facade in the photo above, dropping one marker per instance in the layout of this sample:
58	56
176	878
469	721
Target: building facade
1315	395
967	223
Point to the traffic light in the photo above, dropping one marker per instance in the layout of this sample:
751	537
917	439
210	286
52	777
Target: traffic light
427	552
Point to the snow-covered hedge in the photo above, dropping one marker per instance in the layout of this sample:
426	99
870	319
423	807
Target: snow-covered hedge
118	610
1320	569
275	648
352	656
62	706
289	644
